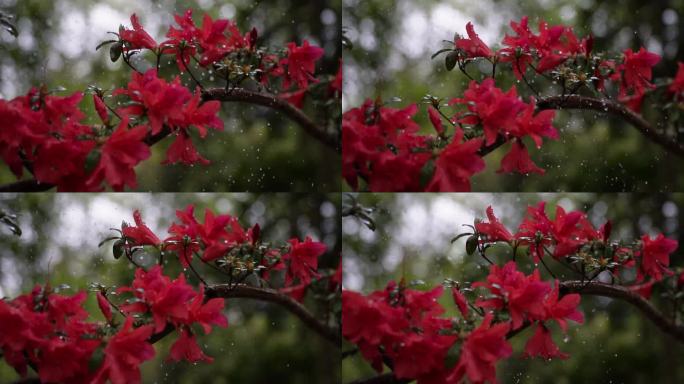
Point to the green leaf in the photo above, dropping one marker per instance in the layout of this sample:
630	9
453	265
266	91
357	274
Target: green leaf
427	172
439	52
7	24
471	244
451	60
115	51
92	160
107	239
102	44
10	220
118	249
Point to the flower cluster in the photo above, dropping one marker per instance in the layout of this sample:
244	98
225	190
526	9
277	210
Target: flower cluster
399	326
49	331
46	132
570	236
222	46
407	330
378	146
48	135
176	303
234	250
382	146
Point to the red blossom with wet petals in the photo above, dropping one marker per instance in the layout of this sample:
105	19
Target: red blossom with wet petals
473	46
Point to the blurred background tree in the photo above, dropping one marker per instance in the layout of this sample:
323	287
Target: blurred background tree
394	39
263	343
412	241
260	150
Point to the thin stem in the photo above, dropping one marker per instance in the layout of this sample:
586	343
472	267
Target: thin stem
187	68
541	259
189	263
114	305
517	64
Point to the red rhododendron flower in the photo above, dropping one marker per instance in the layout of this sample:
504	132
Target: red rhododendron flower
518	160
655	256
436	120
122	151
209	313
480	352
420	355
184	235
141	233
104	306
180	42
367	321
677	86
202	115
522	295
402	323
524	38
637	69
541	345
167	300
536	126
160	101
473	46
101	109
66	361
137	38
494	229
182	150
456	164
303	260
460	301
124	353
492	108
369	132
567	230
397	172
336	84
186	348
565	308
301	64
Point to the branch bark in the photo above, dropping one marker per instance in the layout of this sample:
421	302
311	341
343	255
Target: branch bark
665	324
278	104
613	108
235	95
600	105
226	291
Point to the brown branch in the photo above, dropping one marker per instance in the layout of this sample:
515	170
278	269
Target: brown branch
661	321
278	104
227	291
613	108
601	105
218	94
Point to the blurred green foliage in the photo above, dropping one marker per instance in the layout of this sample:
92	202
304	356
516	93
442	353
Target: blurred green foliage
260	149
394	39
263	343
412	241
